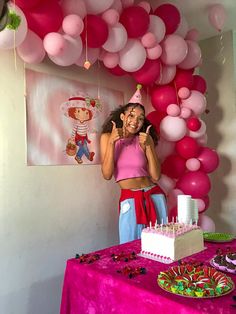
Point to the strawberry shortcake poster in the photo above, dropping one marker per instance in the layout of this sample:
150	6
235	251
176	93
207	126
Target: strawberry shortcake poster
64	119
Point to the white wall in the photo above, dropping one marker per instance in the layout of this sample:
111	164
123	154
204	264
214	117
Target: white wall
221	127
47	214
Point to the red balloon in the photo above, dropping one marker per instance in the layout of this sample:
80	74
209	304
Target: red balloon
209	159
170	16
45	18
155	118
149	72
173	166
183	78
163	96
193	124
135	20
194	183
187	147
117	71
96	31
27	4
199	83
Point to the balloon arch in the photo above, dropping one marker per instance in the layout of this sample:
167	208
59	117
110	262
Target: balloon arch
156	47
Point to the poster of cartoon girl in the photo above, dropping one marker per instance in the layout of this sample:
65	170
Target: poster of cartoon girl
82	109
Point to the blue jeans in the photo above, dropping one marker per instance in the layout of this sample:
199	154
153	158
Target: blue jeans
83	149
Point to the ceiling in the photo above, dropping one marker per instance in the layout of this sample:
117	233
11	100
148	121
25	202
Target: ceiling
196	14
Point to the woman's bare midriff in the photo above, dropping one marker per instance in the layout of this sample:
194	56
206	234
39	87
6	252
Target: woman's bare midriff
135	183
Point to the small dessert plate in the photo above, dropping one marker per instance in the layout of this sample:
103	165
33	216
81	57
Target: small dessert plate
218	237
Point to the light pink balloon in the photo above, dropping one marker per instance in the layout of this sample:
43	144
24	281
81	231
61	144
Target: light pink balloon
73	25
166	183
145	5
217	16
193	56
202	140
92	56
174	49
73	7
173	110
111	17
185	112
97	7
200	132
154	53
157	27
172	128
54	44
167	74
206	223
71	52
172	197
192	34
117	38
12	38
127	3
182	29
25	51
164	148
200	205
193	164
196	102
110	59
184	93
117	5
148	40
132	56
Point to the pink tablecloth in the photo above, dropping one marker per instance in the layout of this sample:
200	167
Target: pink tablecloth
98	288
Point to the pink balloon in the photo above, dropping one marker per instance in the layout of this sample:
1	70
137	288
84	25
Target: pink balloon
154	53
96	32
172	128
26	52
187	147
192	34
173	110
111	17
173	166
196	102
73	7
201	205
132	56
182	28
166	183
209	159
185	113
193	56
117	5
199	83
194	183
45	18
135	20
206	223
174	50
92	56
193	124
193	164
27	4
117	38
164	148
172	198
217	16
157	27
167	74
163	96
183	78
170	15
73	25
96	7
148	40
117	71
111	59
145	5
149	72
202	140
54	43
183	93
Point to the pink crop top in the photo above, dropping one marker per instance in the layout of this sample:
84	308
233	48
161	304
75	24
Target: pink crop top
130	159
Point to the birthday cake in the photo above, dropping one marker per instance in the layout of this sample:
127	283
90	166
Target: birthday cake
171	242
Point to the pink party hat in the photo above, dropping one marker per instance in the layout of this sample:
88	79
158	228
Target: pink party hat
137	97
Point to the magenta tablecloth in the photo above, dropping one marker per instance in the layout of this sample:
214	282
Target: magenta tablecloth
98	288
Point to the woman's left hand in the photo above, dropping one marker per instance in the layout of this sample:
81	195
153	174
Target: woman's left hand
145	139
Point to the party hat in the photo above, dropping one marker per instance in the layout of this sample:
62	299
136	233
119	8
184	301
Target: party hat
137	97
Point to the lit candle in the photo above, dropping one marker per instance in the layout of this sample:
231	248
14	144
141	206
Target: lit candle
150	224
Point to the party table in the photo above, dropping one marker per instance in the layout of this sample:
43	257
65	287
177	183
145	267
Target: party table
99	286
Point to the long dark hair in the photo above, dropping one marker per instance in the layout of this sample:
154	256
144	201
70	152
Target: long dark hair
115	116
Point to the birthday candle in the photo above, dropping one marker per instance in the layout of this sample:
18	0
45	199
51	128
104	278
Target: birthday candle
150	224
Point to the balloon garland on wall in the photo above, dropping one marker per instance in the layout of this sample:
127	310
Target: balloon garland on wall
156	48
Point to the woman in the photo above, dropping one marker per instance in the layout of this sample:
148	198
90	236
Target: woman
128	152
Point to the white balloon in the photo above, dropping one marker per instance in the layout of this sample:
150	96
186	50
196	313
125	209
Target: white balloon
117	38
132	56
172	128
157	27
99	6
182	29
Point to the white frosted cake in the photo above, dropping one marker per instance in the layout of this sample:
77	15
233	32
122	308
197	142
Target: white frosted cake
171	242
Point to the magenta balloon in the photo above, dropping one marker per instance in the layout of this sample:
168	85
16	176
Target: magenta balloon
96	31
193	124
170	15
183	78
199	83
187	147
195	183
135	20
149	72
27	4
117	71
163	96
45	18
173	166
209	159
155	118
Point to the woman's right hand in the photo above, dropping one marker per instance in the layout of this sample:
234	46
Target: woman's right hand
116	133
